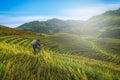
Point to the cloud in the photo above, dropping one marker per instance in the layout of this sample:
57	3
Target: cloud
87	12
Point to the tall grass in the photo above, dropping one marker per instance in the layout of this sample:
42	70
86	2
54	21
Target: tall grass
19	63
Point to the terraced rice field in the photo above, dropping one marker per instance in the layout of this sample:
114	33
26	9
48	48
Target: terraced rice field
54	62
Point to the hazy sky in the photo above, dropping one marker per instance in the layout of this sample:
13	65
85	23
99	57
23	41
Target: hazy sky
17	12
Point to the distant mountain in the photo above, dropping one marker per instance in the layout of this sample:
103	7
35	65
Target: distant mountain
102	24
113	12
108	23
95	25
108	19
50	26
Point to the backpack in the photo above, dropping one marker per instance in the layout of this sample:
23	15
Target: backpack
33	42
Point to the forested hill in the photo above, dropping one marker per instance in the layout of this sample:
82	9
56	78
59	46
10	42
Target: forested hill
99	24
107	24
50	26
108	19
113	12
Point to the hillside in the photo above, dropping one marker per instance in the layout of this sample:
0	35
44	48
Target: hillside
108	19
94	26
100	24
63	56
112	33
48	65
50	26
4	30
87	46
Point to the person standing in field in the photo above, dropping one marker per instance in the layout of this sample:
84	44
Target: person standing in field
36	46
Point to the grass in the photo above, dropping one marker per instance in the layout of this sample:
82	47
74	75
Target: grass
110	45
47	65
57	59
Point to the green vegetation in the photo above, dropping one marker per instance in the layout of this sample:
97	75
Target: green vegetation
63	56
112	33
94	26
50	27
9	31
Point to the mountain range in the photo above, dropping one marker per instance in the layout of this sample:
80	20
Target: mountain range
50	26
104	25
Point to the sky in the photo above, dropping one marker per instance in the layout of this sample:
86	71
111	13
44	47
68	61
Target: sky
16	12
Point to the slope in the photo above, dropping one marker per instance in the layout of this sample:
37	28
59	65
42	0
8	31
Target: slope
17	62
50	26
106	24
4	30
97	25
66	43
